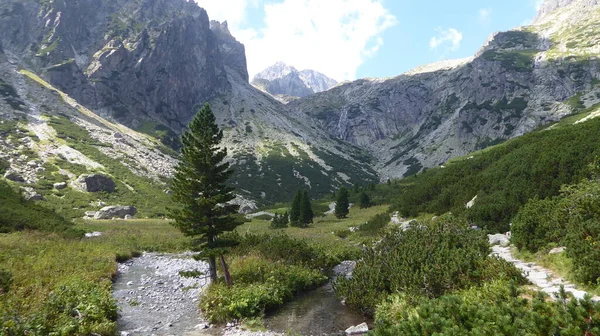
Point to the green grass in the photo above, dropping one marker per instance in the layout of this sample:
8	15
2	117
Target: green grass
323	230
40	263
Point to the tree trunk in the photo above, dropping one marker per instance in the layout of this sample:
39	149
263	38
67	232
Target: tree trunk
212	268
226	271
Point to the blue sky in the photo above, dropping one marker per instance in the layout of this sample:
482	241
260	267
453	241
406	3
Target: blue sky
349	39
406	45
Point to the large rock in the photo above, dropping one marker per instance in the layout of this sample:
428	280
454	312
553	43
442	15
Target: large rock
60	185
94	183
110	212
499	239
31	195
13	176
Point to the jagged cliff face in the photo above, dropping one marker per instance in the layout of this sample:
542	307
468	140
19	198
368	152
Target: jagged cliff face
149	64
281	81
130	60
519	80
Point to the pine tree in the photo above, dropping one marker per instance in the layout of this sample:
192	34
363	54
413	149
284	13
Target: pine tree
285	220
306	212
364	200
295	211
342	204
199	189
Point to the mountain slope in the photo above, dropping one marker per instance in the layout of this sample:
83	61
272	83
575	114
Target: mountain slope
147	65
519	80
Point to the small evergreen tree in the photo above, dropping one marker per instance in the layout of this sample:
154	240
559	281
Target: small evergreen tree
306	212
285	219
295	211
279	221
199	188
342	204
364	201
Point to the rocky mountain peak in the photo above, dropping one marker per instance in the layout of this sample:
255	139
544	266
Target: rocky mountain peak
550	6
283	79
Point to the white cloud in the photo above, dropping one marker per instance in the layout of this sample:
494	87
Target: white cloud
331	36
485	16
450	37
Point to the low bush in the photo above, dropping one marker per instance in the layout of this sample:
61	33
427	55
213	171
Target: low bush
539	223
570	219
375	224
282	248
429	260
5	281
497	308
77	307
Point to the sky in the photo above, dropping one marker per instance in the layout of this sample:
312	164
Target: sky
350	39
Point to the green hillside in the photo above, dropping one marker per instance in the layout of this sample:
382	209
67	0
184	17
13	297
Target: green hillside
503	177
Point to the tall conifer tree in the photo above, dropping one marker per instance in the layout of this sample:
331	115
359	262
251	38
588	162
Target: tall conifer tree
199	189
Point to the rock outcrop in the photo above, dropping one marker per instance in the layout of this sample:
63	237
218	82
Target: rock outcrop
94	183
110	212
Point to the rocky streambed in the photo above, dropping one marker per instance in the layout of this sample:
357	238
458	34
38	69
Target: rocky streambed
155	299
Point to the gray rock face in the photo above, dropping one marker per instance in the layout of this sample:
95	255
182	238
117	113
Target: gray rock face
549	6
135	60
110	212
94	183
282	79
232	51
13	176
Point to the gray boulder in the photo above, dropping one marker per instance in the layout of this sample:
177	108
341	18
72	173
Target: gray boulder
13	176
94	183
60	185
110	212
499	239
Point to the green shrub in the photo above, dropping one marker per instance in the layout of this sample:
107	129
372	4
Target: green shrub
375	224
73	308
6	280
582	205
282	248
4	165
279	221
539	223
497	308
343	233
430	260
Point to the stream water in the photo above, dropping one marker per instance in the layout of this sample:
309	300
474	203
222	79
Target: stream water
317	312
